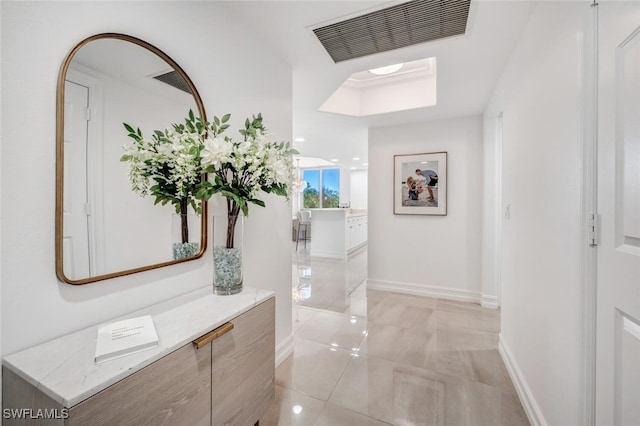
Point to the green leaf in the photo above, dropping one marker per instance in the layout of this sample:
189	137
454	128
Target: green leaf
216	120
281	192
238	199
226	118
257	202
129	128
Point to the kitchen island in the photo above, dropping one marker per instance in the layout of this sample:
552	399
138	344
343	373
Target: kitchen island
338	232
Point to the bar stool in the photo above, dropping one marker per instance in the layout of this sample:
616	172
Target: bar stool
304	219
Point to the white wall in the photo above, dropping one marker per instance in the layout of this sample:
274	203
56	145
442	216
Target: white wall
398	95
345	100
345	185
35	306
432	255
540	95
359	191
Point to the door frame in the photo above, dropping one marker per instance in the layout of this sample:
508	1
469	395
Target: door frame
95	159
590	219
498	209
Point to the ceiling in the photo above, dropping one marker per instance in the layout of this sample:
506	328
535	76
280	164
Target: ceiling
468	67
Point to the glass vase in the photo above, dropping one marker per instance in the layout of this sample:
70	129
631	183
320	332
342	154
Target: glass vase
227	254
185	235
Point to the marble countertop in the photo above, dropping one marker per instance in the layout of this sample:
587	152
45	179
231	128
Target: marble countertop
64	368
357	213
347	212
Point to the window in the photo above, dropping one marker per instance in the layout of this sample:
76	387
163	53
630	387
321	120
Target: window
330	188
311	193
323	188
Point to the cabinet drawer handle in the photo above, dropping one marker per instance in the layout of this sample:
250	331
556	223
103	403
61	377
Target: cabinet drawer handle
213	335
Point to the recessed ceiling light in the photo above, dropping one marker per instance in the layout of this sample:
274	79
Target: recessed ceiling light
298	140
353	168
356	158
365	164
424	162
389	69
335	160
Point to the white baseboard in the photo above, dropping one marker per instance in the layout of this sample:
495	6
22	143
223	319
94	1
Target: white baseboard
356	247
284	349
490	302
424	290
337	254
526	397
329	254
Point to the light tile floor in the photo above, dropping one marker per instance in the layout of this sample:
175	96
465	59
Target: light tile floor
365	357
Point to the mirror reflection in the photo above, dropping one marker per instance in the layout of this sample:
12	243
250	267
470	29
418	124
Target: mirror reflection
105	229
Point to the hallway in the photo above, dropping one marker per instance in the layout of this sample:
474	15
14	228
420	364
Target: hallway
374	358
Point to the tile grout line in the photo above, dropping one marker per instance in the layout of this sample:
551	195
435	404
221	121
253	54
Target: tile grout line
340	379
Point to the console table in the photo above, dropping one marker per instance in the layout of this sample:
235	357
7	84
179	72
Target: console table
215	365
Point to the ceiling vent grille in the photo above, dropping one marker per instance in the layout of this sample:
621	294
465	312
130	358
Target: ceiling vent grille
397	26
172	78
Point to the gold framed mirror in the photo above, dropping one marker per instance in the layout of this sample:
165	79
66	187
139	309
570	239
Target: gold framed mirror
103	228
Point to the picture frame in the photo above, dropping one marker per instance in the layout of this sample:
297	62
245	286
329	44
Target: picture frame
420	184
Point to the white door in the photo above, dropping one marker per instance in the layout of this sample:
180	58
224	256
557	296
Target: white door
618	264
76	226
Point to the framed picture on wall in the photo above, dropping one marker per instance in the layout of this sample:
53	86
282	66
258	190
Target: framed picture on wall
420	184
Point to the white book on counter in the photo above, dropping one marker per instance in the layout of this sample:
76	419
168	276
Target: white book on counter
125	337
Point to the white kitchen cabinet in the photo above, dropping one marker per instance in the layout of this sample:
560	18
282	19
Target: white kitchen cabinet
356	232
337	232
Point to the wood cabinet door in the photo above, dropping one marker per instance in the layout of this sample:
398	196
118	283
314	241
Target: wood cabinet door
243	369
175	390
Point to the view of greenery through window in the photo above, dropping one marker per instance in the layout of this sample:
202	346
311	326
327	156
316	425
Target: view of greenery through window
323	188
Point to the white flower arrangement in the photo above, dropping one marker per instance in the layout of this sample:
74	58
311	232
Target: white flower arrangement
170	166
240	169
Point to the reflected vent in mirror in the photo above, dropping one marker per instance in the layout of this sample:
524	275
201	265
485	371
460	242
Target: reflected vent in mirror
397	26
172	78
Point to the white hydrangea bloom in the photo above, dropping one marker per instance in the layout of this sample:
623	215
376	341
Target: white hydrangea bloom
216	152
